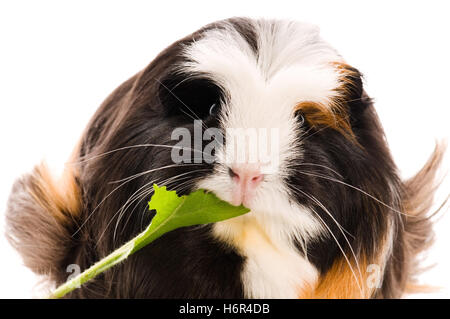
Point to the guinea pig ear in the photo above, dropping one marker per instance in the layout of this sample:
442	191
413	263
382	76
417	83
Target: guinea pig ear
338	113
351	84
351	98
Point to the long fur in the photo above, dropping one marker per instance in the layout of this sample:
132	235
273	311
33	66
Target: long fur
360	214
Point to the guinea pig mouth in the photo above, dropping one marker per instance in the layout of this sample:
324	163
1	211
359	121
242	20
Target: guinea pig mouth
234	195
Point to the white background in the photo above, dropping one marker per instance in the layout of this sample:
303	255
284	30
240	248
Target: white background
58	61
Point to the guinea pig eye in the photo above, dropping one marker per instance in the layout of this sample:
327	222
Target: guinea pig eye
300	117
192	98
213	109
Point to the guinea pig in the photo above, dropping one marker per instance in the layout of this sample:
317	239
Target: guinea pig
329	216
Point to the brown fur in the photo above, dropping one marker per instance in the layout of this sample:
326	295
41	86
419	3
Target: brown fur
319	115
418	233
42	212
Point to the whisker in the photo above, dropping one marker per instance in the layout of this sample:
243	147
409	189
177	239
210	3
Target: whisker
142	196
305	133
184	112
136	195
339	245
185	185
305	138
142	216
187	78
167	180
341	228
133	198
313	164
146	209
150	171
343	253
129	147
97	207
355	188
175	96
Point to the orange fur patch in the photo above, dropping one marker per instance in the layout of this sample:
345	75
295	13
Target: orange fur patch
319	115
340	283
60	197
335	115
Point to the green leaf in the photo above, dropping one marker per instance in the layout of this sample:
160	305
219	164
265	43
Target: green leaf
172	212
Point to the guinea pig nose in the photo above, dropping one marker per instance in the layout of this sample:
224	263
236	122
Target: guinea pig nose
246	174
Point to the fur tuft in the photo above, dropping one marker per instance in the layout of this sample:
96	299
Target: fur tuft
41	215
418	201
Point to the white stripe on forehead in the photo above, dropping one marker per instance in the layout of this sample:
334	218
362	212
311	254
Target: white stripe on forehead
291	65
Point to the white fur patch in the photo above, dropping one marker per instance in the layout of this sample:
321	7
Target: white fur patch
292	65
273	267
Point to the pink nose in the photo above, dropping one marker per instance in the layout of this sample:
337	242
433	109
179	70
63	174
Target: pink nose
247	175
246	178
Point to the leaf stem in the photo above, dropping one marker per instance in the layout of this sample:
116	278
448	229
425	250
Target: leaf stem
109	261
